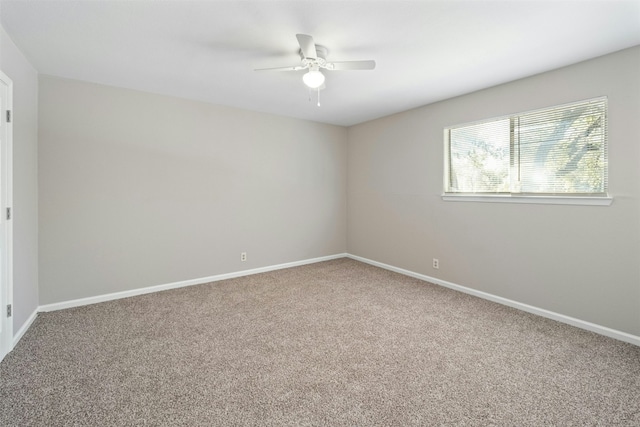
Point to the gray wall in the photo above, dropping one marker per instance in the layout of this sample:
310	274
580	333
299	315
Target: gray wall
139	190
25	179
580	261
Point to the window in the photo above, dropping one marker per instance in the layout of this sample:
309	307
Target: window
556	152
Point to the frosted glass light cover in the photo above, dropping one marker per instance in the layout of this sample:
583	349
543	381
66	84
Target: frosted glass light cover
314	79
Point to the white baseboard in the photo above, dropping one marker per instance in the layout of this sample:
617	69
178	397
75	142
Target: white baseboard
602	330
147	290
18	336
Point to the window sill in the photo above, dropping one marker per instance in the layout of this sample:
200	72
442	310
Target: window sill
544	200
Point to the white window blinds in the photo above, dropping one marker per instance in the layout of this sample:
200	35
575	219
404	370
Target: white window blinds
559	150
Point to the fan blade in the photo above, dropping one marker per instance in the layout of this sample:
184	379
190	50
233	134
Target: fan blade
291	68
307	46
352	65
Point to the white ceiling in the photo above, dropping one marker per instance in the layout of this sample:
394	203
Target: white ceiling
207	50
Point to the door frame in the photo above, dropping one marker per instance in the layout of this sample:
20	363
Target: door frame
6	224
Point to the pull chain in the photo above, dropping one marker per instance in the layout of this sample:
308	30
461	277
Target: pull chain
310	90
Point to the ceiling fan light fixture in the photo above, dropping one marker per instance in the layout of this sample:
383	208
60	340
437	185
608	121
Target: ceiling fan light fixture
314	78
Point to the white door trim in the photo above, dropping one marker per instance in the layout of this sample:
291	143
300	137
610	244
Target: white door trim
6	225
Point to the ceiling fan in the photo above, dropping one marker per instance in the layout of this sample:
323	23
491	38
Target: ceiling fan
314	58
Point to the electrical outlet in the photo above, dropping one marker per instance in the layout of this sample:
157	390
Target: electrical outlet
243	256
436	263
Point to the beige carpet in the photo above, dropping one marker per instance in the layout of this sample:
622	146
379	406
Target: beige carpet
338	343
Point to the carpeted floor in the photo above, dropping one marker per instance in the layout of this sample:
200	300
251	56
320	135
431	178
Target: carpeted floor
338	343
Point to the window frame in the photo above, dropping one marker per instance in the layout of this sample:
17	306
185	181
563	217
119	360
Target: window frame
596	199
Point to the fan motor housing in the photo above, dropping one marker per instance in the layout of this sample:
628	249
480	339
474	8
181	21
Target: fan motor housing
321	52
